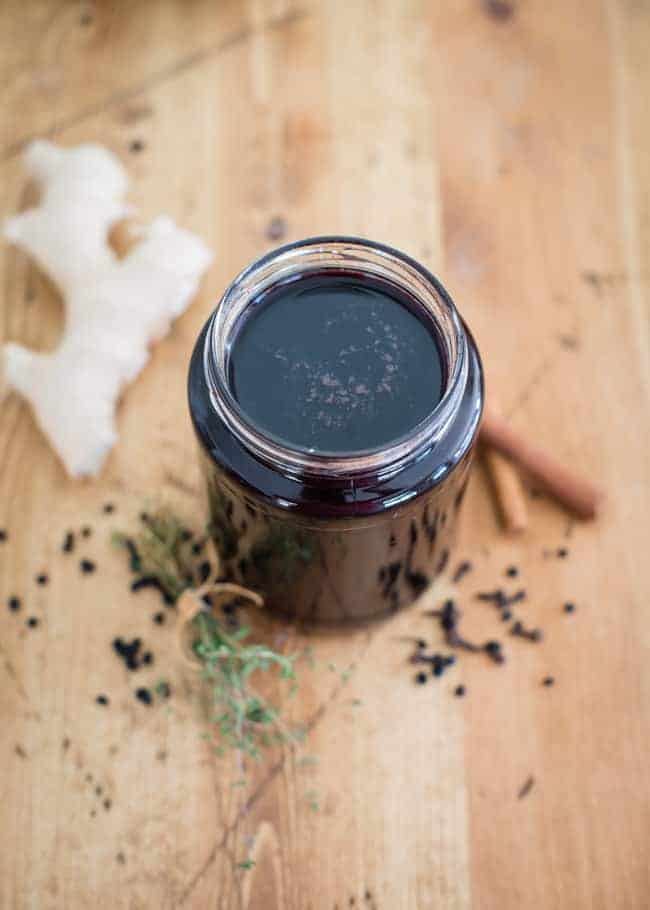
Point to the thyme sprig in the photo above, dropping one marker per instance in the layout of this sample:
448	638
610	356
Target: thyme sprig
167	554
244	719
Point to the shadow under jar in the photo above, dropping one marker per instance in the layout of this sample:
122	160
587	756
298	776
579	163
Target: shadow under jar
336	395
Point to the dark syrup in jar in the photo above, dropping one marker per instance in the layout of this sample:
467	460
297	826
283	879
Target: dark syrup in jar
335	363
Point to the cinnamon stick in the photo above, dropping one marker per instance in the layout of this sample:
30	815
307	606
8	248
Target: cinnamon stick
506	485
508	491
577	494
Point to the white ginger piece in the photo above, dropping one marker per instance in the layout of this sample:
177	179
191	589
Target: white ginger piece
82	196
114	308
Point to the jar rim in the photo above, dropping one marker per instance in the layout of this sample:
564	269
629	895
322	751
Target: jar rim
341	252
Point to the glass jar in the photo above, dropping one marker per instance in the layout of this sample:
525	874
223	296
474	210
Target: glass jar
335	538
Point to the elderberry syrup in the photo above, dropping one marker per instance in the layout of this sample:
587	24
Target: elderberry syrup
336	396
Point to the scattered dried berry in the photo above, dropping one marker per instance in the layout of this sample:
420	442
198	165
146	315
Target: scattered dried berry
147	658
442	563
68	542
449	617
109	508
150	581
86	531
3	535
107	804
159	618
462	570
14	604
439	663
144	695
562	553
420	678
459	691
528	785
494	651
521	631
87	566
42	579
33	621
128	651
418	581
496	597
135	561
500	599
501	10
136	146
548	681
569	607
512	571
276	229
102	700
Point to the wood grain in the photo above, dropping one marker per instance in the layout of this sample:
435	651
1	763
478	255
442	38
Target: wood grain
507	147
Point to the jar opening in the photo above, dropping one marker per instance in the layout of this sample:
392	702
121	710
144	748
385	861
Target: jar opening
290	275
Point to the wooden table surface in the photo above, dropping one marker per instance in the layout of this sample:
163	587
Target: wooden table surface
505	145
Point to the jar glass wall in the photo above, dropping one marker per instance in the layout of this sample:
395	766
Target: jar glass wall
335	536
